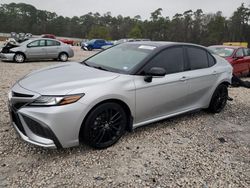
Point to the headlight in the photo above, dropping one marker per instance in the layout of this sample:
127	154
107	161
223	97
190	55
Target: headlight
56	100
85	44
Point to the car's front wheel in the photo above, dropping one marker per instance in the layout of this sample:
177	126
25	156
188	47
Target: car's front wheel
19	58
219	99
104	125
90	48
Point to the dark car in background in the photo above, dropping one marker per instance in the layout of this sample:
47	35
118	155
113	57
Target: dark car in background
51	36
237	56
95	44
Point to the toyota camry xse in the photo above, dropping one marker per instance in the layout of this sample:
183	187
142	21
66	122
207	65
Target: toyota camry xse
119	89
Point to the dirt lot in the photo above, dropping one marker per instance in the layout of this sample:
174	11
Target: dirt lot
194	150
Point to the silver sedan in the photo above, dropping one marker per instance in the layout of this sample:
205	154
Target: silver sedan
119	89
37	48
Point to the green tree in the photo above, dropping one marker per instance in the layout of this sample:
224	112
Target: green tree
135	32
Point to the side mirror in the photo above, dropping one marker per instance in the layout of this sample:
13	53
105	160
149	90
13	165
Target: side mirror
154	71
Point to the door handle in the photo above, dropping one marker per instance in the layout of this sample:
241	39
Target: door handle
214	72
184	78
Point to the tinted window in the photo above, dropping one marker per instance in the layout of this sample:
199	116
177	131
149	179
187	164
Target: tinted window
211	60
239	53
170	59
197	58
53	43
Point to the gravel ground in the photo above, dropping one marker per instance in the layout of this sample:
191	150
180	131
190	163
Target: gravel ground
194	150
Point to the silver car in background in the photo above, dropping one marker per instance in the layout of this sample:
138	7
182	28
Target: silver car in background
36	48
119	89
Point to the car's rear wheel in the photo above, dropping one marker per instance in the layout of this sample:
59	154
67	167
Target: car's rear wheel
219	99
19	58
63	57
104	125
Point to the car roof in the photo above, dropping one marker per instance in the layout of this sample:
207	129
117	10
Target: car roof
227	46
159	44
34	39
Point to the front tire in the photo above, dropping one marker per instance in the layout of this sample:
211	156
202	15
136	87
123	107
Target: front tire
90	48
219	99
19	58
104	125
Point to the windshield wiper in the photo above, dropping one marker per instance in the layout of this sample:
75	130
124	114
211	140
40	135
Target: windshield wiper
101	68
97	67
85	63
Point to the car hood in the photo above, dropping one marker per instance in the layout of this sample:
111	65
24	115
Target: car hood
62	79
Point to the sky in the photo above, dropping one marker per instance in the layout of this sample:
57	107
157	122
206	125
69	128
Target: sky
132	8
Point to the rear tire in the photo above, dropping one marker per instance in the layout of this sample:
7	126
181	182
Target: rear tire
104	125
63	57
219	99
19	58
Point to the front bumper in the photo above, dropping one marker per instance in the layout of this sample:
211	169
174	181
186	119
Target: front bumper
7	56
49	127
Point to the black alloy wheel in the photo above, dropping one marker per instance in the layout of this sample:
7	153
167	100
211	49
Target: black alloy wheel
105	125
219	99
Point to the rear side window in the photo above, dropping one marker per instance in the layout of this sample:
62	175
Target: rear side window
197	58
53	43
171	60
211	60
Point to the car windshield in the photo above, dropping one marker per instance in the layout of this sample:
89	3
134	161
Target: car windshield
222	51
121	58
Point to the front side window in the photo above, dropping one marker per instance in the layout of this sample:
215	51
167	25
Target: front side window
172	60
37	43
240	53
197	58
34	44
42	43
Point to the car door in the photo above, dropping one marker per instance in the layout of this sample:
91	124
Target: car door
239	63
36	50
52	48
164	95
201	77
99	43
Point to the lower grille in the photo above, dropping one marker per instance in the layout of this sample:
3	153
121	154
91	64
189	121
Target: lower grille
37	128
18	105
17	121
